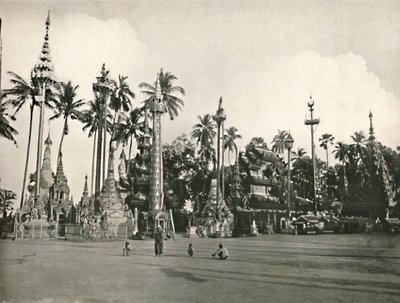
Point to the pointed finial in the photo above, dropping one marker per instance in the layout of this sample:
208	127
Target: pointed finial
122	155
371	128
48	140
48	19
85	188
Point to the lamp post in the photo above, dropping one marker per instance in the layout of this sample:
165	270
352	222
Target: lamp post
312	122
289	144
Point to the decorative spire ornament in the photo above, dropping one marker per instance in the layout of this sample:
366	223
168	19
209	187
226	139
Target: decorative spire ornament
42	75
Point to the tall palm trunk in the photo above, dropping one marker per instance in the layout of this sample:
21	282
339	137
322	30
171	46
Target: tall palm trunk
28	148
98	160
327	158
113	129
130	148
93	162
104	142
62	139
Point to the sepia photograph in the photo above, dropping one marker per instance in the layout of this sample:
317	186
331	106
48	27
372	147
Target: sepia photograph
199	151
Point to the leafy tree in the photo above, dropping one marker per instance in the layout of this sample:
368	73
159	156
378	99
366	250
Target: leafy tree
6	130
256	142
184	174
6	201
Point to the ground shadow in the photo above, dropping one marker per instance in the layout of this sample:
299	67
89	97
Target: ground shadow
170	272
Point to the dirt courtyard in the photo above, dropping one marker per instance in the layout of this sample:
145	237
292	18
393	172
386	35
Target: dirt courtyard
273	268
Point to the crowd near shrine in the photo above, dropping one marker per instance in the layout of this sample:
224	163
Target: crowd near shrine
201	184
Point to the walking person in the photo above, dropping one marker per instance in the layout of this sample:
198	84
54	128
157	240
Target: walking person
159	241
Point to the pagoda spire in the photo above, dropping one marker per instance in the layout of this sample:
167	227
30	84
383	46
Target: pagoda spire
85	188
371	128
42	74
60	166
43	70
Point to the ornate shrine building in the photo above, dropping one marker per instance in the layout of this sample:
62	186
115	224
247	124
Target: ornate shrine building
260	209
376	200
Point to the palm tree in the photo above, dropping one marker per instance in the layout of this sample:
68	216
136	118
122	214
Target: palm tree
300	153
171	102
23	93
128	126
341	153
229	141
279	142
204	134
6	130
325	140
65	106
120	100
358	147
91	118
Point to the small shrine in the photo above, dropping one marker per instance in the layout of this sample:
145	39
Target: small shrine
215	217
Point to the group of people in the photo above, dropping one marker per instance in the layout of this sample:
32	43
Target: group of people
221	253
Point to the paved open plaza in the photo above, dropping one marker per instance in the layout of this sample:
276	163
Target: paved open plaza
273	268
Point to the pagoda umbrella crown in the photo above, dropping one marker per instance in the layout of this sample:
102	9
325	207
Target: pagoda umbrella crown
43	71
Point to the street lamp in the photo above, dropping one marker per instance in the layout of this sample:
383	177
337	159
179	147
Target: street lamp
289	144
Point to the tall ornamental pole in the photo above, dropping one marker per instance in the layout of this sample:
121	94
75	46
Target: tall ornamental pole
219	119
289	144
313	122
157	108
43	74
102	87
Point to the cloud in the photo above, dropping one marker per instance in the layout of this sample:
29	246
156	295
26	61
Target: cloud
343	88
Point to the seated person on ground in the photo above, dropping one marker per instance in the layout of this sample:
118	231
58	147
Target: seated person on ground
190	250
221	252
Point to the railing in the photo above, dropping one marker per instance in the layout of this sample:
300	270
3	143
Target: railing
36	231
72	232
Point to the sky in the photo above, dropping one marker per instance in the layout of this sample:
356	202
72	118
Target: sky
265	58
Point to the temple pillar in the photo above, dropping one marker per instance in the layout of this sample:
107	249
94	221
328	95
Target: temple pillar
156	151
